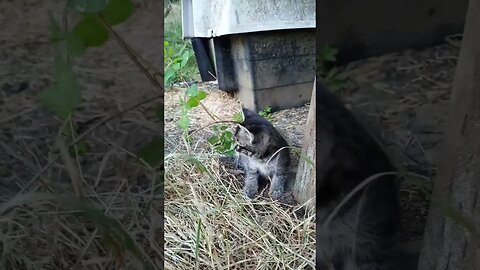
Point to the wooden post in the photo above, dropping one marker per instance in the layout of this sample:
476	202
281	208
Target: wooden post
449	242
304	187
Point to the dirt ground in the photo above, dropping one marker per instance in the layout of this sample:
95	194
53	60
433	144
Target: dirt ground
401	97
39	235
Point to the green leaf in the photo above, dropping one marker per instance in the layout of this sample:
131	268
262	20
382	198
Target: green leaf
75	45
213	140
192	103
169	76
118	11
91	32
152	153
176	66
230	153
192	90
185	58
238	117
328	54
87	6
201	95
184	121
56	33
82	148
227	135
64	96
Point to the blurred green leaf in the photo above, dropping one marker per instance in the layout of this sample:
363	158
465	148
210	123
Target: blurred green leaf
91	32
152	153
213	140
176	66
75	45
201	95
238	117
184	121
64	96
192	91
118	11
328	53
229	153
185	58
169	75
82	148
56	33
192	102
227	135
449	211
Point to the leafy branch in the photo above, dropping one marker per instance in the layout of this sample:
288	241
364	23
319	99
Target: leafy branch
92	30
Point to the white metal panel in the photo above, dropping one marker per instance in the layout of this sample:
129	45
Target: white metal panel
211	18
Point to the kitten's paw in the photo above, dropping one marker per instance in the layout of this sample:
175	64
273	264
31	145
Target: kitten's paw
276	194
250	192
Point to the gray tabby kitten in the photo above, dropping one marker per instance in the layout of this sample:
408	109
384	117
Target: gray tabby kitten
263	153
361	235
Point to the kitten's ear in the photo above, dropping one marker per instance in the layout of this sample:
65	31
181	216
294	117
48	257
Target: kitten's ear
243	134
248	113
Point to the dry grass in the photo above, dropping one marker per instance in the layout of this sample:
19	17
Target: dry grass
209	224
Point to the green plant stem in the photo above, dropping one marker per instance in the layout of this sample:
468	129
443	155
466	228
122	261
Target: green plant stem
211	124
134	56
208	112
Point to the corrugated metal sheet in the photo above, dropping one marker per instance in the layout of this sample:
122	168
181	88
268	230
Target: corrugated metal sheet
212	18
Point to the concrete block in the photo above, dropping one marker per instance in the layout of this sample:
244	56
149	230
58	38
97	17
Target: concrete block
274	68
278	98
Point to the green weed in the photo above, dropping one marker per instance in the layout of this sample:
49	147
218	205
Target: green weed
179	58
329	74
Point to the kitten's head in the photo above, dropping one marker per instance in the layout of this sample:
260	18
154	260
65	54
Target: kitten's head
252	135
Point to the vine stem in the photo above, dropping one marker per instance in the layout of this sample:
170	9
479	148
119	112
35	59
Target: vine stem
208	112
134	56
211	124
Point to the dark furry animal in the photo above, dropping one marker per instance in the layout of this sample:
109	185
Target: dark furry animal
361	235
263	153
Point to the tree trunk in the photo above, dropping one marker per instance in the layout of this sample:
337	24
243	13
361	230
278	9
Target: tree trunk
304	187
447	244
